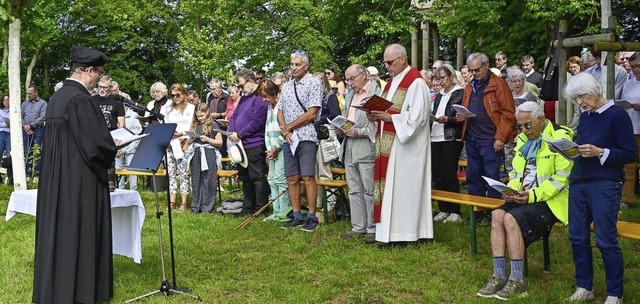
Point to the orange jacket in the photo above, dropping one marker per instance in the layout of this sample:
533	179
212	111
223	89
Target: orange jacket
498	101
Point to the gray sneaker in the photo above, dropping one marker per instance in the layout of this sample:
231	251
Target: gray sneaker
495	284
581	295
613	300
350	234
513	289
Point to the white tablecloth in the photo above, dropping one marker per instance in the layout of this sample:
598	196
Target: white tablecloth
127	217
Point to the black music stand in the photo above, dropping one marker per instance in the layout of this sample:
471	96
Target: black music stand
147	158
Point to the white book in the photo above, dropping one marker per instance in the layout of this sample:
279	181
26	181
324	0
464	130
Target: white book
462	110
500	187
125	136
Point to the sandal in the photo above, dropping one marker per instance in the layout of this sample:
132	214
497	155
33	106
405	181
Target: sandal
183	207
173	205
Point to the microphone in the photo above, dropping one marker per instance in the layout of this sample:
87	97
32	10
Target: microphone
136	106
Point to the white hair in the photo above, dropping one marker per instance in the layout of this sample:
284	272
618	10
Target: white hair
582	84
158	86
531	107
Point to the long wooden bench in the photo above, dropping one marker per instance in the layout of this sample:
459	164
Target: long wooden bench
479	203
161	172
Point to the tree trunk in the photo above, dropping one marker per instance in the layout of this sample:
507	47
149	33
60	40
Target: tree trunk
15	95
32	64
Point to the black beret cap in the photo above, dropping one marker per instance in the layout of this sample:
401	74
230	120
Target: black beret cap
84	57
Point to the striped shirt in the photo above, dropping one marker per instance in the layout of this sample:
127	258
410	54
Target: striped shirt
272	137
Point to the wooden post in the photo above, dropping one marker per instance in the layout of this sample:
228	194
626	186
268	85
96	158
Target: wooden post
436	44
564	110
616	46
414	48
425	45
609	82
459	53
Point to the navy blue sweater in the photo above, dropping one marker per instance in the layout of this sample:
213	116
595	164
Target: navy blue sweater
612	130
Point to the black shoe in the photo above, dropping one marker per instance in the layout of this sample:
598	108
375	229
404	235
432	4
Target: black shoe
293	222
394	245
310	224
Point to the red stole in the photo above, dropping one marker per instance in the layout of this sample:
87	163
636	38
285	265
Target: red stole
385	136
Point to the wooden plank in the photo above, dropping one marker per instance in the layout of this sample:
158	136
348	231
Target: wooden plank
585	40
616	46
161	172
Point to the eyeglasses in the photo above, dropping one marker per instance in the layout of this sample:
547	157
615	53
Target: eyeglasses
526	126
476	70
390	62
176	95
100	72
241	86
104	87
352	78
328	73
517	81
442	77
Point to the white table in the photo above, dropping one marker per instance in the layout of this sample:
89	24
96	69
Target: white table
127	217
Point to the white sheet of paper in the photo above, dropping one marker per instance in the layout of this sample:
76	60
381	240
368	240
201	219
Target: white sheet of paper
295	142
462	110
500	187
192	134
176	148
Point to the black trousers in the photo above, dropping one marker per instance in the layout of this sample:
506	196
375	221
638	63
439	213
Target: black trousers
255	187
444	170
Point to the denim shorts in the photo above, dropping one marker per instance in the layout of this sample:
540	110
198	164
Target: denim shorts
304	162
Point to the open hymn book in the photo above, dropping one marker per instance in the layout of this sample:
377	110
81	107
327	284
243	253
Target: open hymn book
125	136
342	123
564	147
374	103
500	187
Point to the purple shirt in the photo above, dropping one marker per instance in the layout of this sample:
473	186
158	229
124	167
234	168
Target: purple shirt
248	120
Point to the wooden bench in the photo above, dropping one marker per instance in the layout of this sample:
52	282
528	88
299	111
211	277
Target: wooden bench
462	174
226	174
479	203
336	188
161	172
338	173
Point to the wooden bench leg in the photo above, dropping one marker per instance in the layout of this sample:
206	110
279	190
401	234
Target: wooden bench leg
324	204
472	224
526	262
219	192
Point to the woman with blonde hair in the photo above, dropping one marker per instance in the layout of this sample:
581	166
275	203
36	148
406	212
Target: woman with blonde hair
203	162
180	112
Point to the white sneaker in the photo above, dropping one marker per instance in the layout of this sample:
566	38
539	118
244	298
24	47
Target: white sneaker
453	217
581	294
613	300
440	216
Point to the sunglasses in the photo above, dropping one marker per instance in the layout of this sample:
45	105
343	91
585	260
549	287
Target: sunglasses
526	126
301	52
240	86
176	95
476	70
390	62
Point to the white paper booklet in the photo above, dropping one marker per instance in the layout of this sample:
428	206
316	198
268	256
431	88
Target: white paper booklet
191	134
462	110
500	187
125	136
564	147
342	123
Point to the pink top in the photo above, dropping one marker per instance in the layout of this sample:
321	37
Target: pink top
230	108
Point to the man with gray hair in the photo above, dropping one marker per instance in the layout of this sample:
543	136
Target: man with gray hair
402	176
112	110
488	97
298	108
217	99
359	151
540	180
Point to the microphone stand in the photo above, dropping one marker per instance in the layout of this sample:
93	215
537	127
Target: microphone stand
160	118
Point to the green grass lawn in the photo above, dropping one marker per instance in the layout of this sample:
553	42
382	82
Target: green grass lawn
265	264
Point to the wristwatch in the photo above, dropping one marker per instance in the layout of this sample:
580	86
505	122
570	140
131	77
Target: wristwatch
601	154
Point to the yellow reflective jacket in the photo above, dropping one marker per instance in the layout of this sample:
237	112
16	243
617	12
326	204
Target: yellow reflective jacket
552	172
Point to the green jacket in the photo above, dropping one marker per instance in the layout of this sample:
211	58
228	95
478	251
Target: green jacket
552	171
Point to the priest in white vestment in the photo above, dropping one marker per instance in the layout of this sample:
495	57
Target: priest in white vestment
403	192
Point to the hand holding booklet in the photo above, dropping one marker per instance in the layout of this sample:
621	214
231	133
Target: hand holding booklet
125	136
342	123
562	146
462	110
374	103
500	187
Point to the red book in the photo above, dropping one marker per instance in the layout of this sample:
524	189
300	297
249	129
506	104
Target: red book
375	103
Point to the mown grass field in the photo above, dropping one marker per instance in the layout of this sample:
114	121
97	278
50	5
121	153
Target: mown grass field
265	264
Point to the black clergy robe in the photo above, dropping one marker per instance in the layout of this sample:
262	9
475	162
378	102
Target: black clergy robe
73	254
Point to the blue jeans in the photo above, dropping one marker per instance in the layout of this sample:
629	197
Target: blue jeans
482	160
5	143
122	162
29	141
596	201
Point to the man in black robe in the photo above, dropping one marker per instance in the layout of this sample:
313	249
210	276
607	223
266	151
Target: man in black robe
73	254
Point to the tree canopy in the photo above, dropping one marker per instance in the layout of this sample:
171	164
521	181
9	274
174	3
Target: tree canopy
192	41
